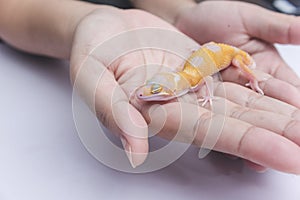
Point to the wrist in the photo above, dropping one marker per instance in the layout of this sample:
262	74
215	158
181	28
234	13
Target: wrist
192	20
75	12
39	27
168	10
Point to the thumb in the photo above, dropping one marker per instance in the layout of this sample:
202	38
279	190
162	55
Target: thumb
271	26
104	96
133	132
120	117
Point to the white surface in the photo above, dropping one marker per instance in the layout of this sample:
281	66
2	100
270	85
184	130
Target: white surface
41	156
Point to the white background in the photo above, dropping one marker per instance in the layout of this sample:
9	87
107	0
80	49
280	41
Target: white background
41	156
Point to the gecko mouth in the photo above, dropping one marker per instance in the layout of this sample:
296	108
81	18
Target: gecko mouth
144	93
155	97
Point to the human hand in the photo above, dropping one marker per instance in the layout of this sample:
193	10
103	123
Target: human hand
254	30
128	117
101	76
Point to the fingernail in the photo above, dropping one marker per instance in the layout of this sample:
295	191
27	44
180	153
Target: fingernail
231	157
128	151
261	170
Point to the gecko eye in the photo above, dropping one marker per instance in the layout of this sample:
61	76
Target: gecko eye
156	88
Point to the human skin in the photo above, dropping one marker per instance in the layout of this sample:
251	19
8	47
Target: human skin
246	26
87	25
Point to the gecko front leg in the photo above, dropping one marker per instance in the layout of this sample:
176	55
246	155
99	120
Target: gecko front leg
209	90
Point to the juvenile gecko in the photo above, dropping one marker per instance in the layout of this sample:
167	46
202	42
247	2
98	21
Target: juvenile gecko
204	62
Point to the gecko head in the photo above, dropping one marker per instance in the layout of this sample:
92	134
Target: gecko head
154	92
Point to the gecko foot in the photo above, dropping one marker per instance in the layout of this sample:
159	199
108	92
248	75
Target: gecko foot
206	99
253	84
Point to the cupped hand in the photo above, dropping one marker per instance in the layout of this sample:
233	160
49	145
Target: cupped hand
100	63
255	30
107	81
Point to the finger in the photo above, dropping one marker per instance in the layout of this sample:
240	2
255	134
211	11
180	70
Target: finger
113	108
281	90
251	165
271	86
105	97
276	123
271	26
255	144
270	61
285	73
231	157
235	137
255	166
250	99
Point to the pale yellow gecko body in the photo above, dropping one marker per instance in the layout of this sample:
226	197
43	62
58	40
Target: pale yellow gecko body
204	62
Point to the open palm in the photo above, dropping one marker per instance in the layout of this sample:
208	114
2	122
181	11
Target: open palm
254	30
107	79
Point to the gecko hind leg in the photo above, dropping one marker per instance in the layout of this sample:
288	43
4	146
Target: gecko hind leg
245	66
253	84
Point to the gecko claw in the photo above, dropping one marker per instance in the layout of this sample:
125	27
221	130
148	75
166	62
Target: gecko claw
206	99
254	86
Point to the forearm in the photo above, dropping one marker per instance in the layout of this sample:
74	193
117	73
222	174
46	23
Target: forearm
166	9
42	27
